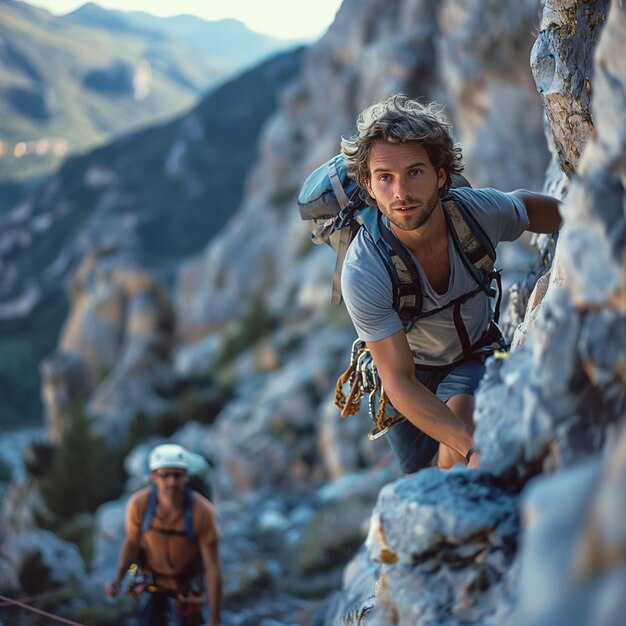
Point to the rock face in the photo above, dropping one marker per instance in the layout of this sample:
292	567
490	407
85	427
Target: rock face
115	349
484	51
563	70
566	375
584	537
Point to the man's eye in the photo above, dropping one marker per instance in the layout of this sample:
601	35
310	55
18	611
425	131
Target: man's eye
384	178
415	172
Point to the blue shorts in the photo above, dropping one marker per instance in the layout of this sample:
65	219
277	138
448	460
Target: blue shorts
413	448
160	609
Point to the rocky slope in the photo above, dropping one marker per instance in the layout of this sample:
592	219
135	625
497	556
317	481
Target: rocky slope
536	536
148	195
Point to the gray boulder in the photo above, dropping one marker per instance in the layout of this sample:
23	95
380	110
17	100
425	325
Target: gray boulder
573	565
37	561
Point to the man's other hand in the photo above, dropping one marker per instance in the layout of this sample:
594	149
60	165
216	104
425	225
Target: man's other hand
112	588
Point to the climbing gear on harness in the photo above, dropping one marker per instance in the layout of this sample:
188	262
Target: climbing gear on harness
362	378
139	580
190	599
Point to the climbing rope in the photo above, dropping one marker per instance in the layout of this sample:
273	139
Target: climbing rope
362	378
22	605
59	592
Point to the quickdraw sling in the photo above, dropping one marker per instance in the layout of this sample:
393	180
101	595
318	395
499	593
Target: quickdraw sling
362	378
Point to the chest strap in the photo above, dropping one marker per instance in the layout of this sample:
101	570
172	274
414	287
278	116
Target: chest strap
148	517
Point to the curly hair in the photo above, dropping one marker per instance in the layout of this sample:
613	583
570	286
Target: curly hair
399	119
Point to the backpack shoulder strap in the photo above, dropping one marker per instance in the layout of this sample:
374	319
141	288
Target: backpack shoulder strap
407	286
345	232
475	248
148	514
335	182
473	244
188	516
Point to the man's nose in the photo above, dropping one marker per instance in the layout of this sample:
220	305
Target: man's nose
400	190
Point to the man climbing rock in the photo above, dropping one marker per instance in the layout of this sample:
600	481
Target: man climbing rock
430	362
171	535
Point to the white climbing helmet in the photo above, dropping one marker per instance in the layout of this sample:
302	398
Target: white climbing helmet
168	455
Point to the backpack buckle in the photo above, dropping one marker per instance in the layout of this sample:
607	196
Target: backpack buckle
323	232
345	216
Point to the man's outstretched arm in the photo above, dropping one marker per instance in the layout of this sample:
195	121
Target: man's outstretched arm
420	406
213	580
543	211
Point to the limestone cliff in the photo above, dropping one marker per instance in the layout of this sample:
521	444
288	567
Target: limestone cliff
555	407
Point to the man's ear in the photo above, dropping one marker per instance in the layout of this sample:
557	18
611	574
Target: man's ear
368	187
442	177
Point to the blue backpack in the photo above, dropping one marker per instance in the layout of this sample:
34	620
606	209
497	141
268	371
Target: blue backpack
333	203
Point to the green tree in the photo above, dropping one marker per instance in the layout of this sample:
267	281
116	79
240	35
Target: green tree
85	470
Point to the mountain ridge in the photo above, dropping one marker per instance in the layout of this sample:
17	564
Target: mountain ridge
70	86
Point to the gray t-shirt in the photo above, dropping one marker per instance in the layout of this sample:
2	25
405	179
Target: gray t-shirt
367	288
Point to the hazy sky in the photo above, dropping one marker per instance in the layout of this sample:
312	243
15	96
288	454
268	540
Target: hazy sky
287	19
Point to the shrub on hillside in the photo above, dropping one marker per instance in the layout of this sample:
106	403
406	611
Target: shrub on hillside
84	473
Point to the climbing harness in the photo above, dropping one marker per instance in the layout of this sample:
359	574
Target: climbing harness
190	599
362	378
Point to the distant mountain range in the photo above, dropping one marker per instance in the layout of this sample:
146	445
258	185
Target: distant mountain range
73	82
228	41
